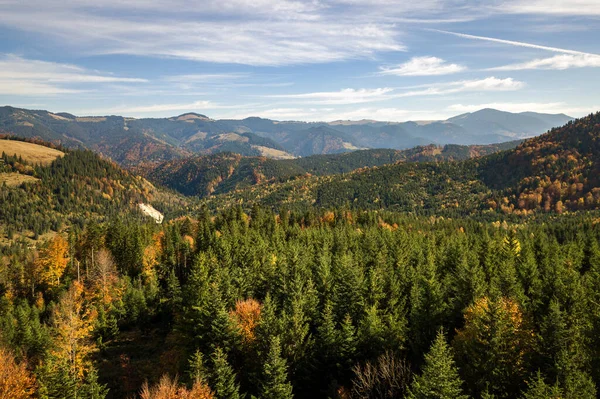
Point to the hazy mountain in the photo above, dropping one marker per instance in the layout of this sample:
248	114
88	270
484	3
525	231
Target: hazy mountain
498	124
137	142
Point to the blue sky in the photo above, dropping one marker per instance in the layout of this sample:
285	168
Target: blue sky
300	60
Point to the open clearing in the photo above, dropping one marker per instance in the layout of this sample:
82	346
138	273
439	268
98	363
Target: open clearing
13	179
33	153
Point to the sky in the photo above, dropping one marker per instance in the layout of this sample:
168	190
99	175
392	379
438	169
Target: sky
312	60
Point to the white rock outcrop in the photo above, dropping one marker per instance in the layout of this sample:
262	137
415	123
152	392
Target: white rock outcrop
153	213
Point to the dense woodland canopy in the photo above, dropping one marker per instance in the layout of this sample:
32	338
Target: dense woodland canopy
328	304
333	299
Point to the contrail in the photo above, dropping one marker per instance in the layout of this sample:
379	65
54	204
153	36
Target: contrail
514	43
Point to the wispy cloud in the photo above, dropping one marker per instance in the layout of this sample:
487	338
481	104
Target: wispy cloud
556	7
344	96
423	66
21	76
358	96
269	33
206	77
558	62
200	105
567	59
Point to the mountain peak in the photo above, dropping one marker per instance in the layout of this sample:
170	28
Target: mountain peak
190	117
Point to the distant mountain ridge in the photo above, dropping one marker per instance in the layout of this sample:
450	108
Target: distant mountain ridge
225	172
554	172
137	142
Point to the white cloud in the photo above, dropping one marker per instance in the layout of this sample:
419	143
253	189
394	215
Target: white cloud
555	7
20	76
15	67
206	77
199	105
266	34
567	59
253	32
423	66
344	96
491	84
358	96
558	62
30	88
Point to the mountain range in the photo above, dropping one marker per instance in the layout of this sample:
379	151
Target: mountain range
220	173
556	171
136	142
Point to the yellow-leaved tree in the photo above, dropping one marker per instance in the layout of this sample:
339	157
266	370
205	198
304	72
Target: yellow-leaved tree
73	323
52	261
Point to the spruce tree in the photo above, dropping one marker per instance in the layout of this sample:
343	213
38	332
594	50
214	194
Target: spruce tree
197	369
439	379
538	389
223	377
275	383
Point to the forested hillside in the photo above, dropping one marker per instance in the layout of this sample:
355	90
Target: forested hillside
324	304
222	173
556	171
69	190
410	280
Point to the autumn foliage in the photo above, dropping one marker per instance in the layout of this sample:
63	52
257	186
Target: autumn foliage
16	382
168	388
52	261
494	344
73	325
246	315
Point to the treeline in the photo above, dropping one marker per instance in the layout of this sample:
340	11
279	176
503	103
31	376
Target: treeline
71	189
307	304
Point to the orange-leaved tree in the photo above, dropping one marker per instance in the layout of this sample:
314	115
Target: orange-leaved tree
168	388
246	315
16	382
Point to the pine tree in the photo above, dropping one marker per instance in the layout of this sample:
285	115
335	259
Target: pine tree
428	305
538	389
223	379
197	368
275	383
439	379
